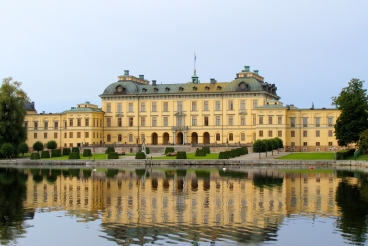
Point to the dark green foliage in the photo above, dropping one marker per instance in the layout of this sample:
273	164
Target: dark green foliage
170	174
87	173
206	149
263	181
222	155
38	146
113	155
111	173
74	155
66	173
74	172
181	172
75	149
259	146
7	149
23	148
140	172
45	154
51	144
87	152
200	152
363	141
245	150
109	149
353	103
238	152
268	143
169	150
232	153
343	154
280	143
55	153
66	151
181	155
233	174
37	175
140	155
203	174
228	154
147	150
35	156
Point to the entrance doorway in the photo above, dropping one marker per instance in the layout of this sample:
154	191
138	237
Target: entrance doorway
194	138
206	138
154	138
179	139
166	138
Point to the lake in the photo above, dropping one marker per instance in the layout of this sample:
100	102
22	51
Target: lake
187	206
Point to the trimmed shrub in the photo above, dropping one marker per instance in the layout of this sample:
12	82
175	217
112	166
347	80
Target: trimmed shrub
181	155
55	153
200	152
140	155
87	153
169	150
74	155
241	151
45	154
343	154
228	154
222	155
112	155
206	150
51	144
109	149
38	146
75	149
147	150
35	156
245	150
233	153
66	151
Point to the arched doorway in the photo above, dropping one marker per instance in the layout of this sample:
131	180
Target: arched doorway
206	138
179	138
194	138
166	138
154	138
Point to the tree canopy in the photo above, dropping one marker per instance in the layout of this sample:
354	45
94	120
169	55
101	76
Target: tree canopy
51	144
38	146
353	103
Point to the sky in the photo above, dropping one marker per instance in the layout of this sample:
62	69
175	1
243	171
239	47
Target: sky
67	52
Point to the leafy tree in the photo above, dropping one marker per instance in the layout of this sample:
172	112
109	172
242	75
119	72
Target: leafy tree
23	148
7	150
363	141
353	103
38	146
51	144
280	144
275	144
259	146
12	113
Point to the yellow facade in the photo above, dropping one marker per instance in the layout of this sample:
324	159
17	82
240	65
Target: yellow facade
240	111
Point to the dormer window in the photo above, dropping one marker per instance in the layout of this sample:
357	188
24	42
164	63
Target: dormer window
144	90
181	88
119	90
155	89
219	88
194	88
206	88
167	89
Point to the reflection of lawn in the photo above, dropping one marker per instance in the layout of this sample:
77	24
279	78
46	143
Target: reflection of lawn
191	156
308	156
305	171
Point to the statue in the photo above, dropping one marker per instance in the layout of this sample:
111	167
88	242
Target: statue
144	146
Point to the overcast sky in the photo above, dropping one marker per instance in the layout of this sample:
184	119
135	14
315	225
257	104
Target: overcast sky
68	52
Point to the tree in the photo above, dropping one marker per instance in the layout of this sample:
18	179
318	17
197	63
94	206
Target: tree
23	148
12	112
353	103
280	144
275	144
51	144
259	146
38	146
363	141
7	150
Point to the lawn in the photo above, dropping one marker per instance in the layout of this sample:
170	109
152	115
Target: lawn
99	156
308	156
191	156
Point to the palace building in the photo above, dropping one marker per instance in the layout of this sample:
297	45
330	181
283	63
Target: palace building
135	110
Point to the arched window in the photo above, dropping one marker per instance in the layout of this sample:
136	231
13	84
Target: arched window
119	138
108	138
218	137
231	137
242	137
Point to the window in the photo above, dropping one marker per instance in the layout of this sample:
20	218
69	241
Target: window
317	133
242	104
180	106
305	144
218	121
154	121
317	144
318	122
78	135
279	134
86	134
260	133
260	120
130	137
108	122
292	122
292	134
130	121
65	135
70	122
269	133
166	106
86	122
330	133
305	122
120	122
154	106
305	133
242	137
254	120
242	120
230	105
292	143
143	137
143	121
329	143
206	120
26	124
45	125
130	107
166	121
270	120
218	137
120	108
194	106
70	135
231	137
330	121
45	135
120	138
279	120
65	123
35	135
143	107
218	105
108	107
205	106
179	121
255	104
108	138
194	120
231	120
55	135
79	122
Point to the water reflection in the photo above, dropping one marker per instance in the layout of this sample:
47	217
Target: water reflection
187	205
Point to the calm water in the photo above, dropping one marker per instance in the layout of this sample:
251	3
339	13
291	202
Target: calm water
183	207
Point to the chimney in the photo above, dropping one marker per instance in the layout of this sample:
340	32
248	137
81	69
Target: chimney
141	76
126	72
153	82
246	69
255	71
213	81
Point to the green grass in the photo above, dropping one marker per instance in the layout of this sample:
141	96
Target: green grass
308	156
191	156
65	157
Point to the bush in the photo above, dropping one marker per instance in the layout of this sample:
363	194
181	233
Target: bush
147	150
51	144
7	149
228	154
23	148
245	150
200	152
55	153
74	155
140	155
169	150
237	152
206	150
222	155
87	153
35	156
66	151
343	154
181	155
38	146
45	154
112	155
233	153
241	151
109	149
75	149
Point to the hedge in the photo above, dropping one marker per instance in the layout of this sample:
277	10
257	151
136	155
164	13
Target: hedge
206	150
55	153
112	155
343	154
169	150
109	149
241	151
228	154
74	155
200	152
140	155
222	155
181	155
75	149
35	156
147	150
45	154
87	152
233	153
66	151
245	150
